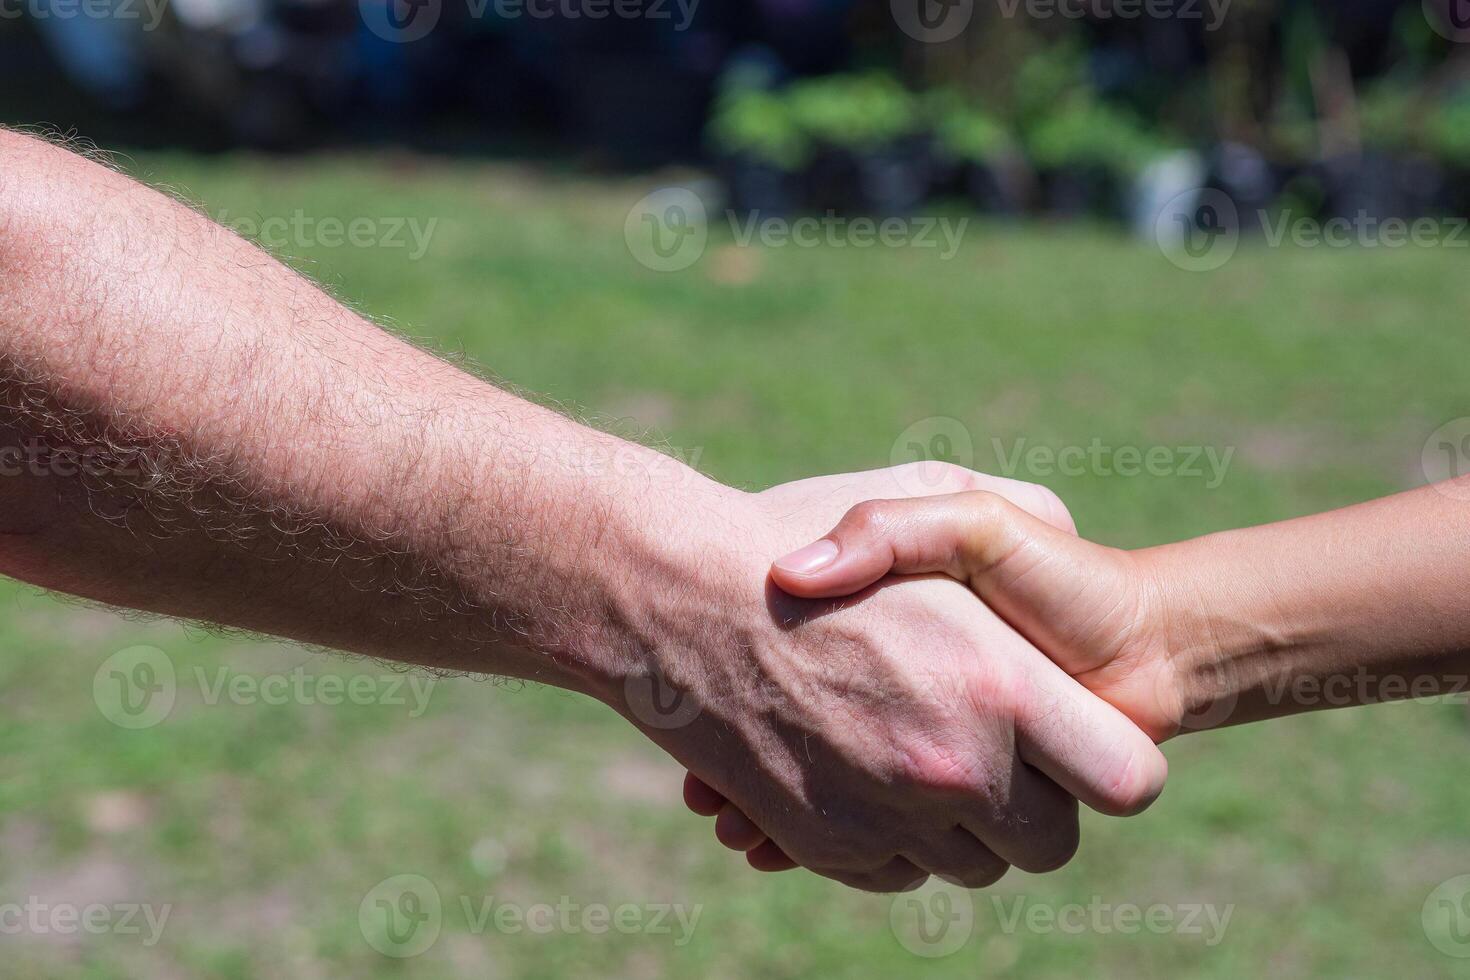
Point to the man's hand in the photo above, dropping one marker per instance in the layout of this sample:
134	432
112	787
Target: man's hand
209	436
905	732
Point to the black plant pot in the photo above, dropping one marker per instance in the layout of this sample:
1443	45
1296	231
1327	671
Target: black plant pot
1457	191
759	187
637	111
1251	182
1375	186
1082	191
1000	187
880	182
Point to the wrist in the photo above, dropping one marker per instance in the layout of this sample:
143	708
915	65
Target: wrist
1214	626
672	565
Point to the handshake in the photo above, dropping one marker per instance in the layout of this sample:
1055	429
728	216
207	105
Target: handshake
921	685
929	687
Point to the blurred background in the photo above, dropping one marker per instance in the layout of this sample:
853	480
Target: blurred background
1062	107
1227	237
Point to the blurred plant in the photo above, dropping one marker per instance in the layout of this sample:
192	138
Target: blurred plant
1388	112
1047	78
1448	130
1086	133
964	131
758	125
860	112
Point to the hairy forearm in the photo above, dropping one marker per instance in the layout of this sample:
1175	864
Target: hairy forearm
1358	605
196	430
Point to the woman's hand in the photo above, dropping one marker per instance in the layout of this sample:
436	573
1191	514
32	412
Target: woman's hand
1094	610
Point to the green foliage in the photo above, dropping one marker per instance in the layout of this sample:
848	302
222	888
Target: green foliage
758	124
1448	131
1085	132
1047	78
964	130
854	111
1387	115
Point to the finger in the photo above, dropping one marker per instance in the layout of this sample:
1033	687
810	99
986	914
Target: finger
959	856
1088	747
1031	822
896	875
963	535
768	856
700	797
735	830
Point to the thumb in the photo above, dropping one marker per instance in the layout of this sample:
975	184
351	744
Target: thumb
963	535
1043	579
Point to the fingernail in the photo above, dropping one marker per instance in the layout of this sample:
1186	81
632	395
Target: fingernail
806	560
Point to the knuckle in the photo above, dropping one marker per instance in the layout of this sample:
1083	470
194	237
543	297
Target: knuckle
954	478
996	689
940	770
869	518
938	477
987	508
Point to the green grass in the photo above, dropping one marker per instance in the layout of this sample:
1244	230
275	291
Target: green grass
264	826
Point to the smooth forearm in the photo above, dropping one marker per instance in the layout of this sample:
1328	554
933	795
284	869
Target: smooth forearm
1353	606
290	467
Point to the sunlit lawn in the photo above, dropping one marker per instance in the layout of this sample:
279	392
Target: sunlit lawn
263	826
